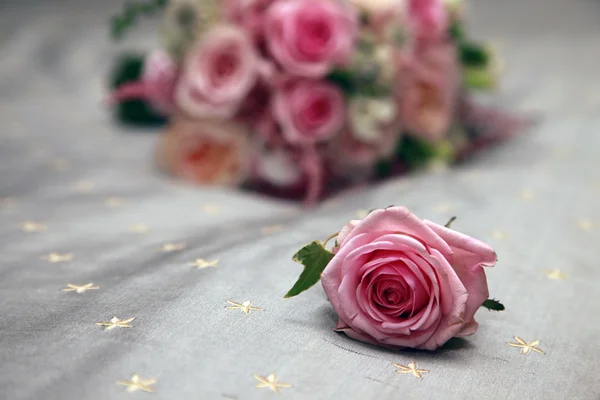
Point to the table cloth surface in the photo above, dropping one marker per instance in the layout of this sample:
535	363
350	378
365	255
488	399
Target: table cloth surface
76	184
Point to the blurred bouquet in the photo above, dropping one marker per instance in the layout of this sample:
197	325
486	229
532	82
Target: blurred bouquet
299	97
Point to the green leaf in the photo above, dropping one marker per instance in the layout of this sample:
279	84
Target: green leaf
315	258
493	305
344	80
479	78
415	152
474	55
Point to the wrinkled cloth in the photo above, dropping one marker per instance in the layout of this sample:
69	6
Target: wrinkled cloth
534	199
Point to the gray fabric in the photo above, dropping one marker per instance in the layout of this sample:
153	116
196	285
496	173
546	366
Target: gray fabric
536	190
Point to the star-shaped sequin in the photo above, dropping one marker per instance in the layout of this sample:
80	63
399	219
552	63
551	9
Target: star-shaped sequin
136	383
585	224
139	228
556	275
245	307
170	247
527	195
114	201
525	347
268	230
411	368
116	323
83	186
32	226
210	209
57	257
271	383
201	263
80	288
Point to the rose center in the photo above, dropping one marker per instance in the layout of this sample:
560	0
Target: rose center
316	35
392	296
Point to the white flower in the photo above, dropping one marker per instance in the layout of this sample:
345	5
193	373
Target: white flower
372	6
368	115
278	168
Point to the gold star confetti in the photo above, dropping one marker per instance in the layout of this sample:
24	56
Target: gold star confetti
443	208
116	322
246	306
139	228
210	209
585	224
169	247
61	164
556	275
525	347
57	257
83	186
32	226
201	263
528	195
499	235
271	383
114	201
362	213
410	369
137	383
7	201
80	289
268	230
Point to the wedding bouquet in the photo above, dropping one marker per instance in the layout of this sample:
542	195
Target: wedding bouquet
305	96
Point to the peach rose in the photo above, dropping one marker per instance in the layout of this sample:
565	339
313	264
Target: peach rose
401	282
428	91
204	151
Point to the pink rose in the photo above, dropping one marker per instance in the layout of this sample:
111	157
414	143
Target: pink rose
248	13
218	74
160	75
309	111
156	84
400	282
428	91
309	37
428	19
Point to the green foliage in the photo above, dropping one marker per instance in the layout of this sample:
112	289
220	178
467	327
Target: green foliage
134	112
315	258
414	152
473	54
132	11
479	78
493	305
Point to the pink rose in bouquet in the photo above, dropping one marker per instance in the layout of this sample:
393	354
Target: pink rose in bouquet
249	14
309	111
204	151
398	281
309	37
218	74
428	19
428	91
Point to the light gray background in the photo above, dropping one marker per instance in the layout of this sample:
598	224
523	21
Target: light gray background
54	56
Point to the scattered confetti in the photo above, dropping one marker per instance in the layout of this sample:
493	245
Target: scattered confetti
271	383
57	257
116	323
170	247
525	347
246	306
32	226
556	274
80	289
201	263
411	368
136	383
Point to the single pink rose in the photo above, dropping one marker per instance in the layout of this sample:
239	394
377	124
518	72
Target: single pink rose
309	111
429	87
309	37
218	74
428	19
400	282
249	14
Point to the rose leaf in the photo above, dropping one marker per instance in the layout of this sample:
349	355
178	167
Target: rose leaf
315	258
493	305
